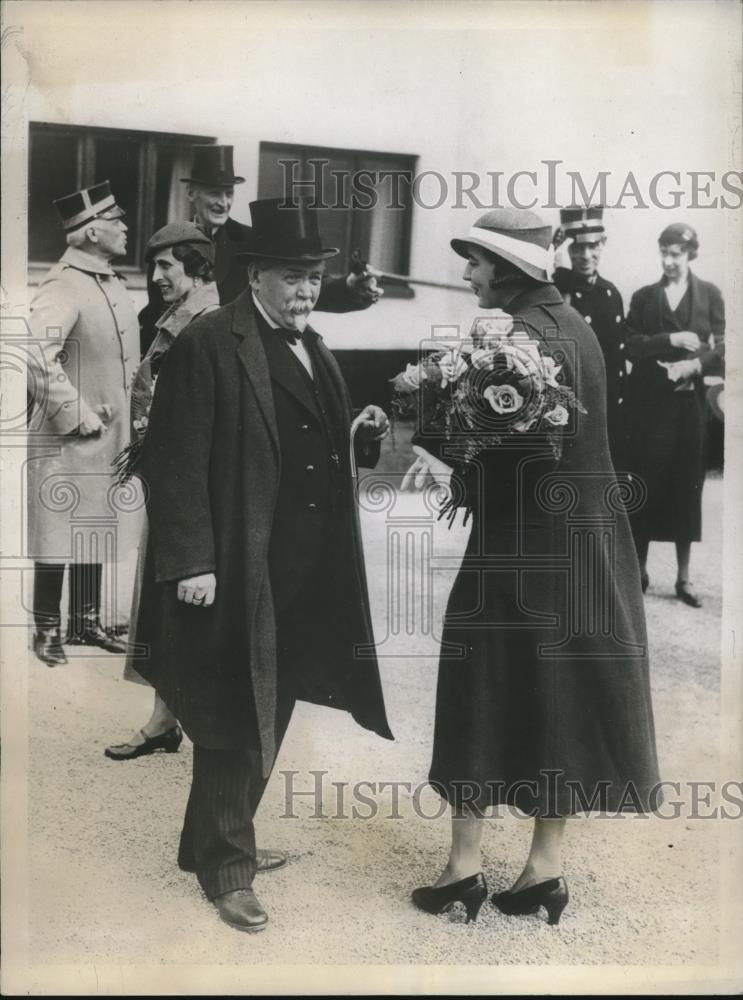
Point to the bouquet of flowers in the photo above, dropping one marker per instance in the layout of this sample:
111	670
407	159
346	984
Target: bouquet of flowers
496	386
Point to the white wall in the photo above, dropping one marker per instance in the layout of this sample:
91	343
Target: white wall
615	86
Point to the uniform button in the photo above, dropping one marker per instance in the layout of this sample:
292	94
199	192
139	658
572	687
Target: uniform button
621	399
608	292
305	427
617	319
588	319
621	346
309	468
311	506
578	295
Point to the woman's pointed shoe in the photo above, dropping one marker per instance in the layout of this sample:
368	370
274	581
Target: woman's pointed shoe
471	892
552	895
168	741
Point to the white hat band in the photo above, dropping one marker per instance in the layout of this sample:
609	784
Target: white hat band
530	253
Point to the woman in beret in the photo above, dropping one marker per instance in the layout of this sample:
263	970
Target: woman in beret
182	261
675	331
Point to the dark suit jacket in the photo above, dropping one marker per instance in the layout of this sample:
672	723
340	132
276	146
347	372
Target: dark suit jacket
213	461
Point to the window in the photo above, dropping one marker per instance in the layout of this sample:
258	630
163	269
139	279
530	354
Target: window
364	198
144	169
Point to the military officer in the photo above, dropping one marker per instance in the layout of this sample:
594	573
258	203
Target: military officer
600	304
84	353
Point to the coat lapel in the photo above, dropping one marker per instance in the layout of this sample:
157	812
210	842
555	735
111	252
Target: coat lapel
252	356
285	370
699	306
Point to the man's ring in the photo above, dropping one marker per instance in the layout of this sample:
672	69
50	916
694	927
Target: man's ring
198	600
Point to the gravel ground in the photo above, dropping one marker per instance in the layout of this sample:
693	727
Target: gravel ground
102	835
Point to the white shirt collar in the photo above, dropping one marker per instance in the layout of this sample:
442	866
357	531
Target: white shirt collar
264	314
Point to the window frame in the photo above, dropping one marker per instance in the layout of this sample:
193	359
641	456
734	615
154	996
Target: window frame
144	206
305	151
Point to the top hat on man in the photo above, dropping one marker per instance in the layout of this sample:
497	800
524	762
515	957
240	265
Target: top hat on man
95	202
583	224
212	167
286	231
517	235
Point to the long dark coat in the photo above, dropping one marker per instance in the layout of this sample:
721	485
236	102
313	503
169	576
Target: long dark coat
544	664
212	463
666	421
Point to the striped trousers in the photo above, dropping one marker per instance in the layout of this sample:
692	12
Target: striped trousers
218	836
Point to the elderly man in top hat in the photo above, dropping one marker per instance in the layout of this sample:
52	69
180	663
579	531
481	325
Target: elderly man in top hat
254	593
210	191
600	304
85	354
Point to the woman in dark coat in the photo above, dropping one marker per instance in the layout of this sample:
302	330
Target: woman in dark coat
543	699
182	261
675	331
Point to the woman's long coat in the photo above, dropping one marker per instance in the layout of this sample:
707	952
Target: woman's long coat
212	463
544	666
666	421
84	354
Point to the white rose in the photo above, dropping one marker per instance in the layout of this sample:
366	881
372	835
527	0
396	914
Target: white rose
452	365
557	416
503	398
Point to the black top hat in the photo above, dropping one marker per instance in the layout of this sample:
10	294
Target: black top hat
212	165
285	230
89	203
583	223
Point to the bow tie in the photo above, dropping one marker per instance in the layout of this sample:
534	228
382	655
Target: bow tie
290	336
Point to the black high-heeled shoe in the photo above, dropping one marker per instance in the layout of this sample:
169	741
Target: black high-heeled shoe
552	895
168	741
471	891
684	594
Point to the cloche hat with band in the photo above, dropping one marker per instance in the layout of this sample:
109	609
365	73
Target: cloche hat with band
516	235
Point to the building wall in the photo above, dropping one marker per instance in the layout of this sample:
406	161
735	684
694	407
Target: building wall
465	87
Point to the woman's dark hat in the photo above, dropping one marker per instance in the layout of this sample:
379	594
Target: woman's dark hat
681	233
517	235
87	204
179	234
285	230
212	167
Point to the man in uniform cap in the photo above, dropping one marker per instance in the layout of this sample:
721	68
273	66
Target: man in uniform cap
211	190
254	591
600	304
85	353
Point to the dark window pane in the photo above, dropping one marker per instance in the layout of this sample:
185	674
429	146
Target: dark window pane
118	160
53	173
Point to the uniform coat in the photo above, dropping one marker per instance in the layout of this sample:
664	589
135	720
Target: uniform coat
85	353
214	462
600	304
544	651
670	460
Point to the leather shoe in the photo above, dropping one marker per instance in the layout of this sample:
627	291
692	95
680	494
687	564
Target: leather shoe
169	741
684	594
240	909
90	632
268	859
48	647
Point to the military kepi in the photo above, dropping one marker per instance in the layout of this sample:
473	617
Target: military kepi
89	203
584	224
